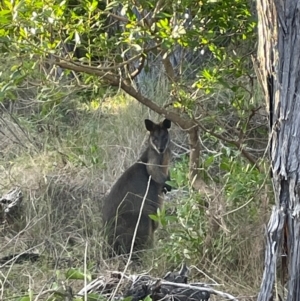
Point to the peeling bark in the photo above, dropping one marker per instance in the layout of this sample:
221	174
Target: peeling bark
279	67
11	207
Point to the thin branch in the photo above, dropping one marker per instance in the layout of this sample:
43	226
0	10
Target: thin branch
113	79
242	133
125	20
201	288
17	141
116	67
139	69
158	7
58	60
19	126
238	144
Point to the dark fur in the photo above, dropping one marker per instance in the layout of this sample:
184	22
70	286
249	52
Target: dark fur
122	206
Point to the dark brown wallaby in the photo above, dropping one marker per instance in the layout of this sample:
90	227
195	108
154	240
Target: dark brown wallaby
122	206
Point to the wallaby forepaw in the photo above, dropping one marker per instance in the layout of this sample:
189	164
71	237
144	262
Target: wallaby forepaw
167	188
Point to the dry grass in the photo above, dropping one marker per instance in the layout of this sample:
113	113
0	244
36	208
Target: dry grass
63	172
64	168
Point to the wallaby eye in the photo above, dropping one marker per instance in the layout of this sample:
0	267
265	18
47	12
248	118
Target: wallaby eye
154	139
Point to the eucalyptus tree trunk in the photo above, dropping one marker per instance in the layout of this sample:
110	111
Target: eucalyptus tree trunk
279	70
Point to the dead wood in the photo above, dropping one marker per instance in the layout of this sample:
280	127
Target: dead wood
10	206
173	286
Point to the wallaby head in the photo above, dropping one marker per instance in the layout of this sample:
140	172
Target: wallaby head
159	135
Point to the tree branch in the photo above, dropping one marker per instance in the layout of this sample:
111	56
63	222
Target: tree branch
238	144
139	69
115	67
125	85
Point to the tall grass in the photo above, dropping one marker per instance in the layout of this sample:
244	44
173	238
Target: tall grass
65	154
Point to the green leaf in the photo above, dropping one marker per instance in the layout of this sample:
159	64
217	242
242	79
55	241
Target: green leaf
163	23
93	297
77	275
25	298
154	217
93	5
28	297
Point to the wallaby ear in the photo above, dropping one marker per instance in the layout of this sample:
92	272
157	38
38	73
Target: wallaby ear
149	125
167	123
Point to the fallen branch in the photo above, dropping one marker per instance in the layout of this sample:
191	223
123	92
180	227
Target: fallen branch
10	206
173	286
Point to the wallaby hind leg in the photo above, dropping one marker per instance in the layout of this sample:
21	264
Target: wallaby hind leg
125	232
145	233
122	244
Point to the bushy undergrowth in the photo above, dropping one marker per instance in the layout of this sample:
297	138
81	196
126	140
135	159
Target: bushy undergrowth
65	153
218	228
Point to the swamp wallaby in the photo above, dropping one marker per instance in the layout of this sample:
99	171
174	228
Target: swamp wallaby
122	206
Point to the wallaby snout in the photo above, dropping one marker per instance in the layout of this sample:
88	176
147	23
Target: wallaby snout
161	149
